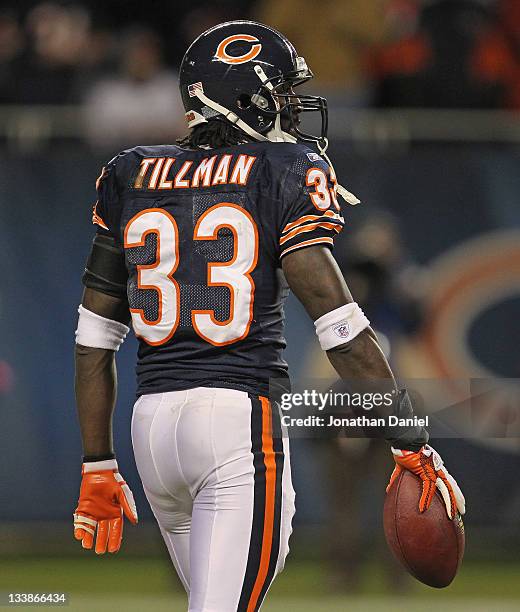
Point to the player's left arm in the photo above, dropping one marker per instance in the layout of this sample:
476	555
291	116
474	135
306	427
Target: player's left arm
316	280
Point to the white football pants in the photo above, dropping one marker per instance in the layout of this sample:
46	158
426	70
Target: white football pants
216	471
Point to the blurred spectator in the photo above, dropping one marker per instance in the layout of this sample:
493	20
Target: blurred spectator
499	52
57	38
98	60
509	12
141	104
334	38
459	56
11	45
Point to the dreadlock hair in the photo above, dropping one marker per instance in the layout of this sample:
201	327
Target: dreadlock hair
216	133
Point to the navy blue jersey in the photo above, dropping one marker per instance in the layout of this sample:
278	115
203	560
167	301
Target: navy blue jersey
203	233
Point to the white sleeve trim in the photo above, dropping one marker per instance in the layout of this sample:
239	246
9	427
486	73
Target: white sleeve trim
340	325
98	332
306	243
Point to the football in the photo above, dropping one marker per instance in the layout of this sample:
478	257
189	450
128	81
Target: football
429	545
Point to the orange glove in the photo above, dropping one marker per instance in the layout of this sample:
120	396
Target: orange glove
428	465
103	497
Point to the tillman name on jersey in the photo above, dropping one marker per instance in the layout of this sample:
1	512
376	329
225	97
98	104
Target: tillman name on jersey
163	173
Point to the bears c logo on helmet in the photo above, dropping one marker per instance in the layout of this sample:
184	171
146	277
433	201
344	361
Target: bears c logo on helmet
224	56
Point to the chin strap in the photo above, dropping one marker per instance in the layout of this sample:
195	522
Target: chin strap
229	115
276	134
349	197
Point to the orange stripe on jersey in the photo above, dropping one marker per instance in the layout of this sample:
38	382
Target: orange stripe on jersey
96	219
270	493
100	178
328	214
309	228
325	240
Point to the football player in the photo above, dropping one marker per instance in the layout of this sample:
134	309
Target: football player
197	245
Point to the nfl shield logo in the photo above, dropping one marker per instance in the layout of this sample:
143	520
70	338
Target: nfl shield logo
342	329
193	88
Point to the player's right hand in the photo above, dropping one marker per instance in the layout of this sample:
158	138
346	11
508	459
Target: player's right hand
428	465
103	498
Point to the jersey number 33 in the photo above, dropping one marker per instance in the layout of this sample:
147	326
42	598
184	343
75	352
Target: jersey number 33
159	276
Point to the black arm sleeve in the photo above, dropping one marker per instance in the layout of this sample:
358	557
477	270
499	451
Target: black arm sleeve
105	270
406	437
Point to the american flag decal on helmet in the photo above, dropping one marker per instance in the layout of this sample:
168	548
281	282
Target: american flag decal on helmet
193	88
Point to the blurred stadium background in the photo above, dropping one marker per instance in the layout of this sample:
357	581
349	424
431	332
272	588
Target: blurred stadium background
425	129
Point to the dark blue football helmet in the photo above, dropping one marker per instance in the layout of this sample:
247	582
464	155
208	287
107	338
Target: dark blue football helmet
245	72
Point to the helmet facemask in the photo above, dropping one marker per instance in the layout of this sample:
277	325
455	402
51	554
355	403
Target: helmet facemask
276	100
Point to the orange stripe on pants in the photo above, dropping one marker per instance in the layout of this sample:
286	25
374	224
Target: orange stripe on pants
270	490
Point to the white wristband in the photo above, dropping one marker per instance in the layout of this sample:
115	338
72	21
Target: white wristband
99	466
340	325
97	332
